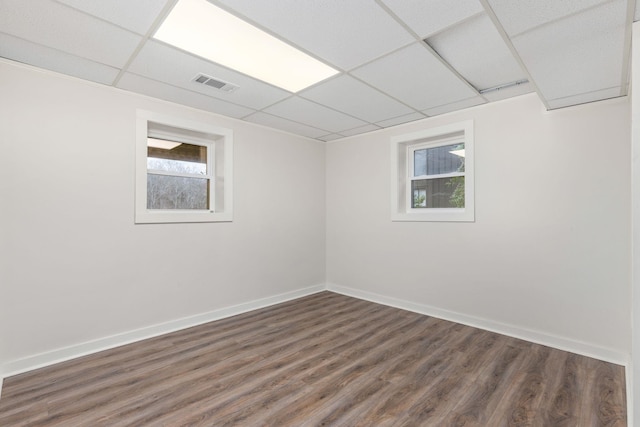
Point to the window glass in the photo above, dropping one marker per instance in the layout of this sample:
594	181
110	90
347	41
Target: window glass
439	160
177	157
438	193
177	192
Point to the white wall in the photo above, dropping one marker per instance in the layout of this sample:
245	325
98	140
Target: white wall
549	253
75	268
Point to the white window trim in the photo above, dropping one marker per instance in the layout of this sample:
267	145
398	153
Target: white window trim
223	136
402	164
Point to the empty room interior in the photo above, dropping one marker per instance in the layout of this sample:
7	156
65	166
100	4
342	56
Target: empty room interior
310	212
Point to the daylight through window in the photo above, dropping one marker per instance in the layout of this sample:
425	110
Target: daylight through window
432	175
437	176
178	177
183	171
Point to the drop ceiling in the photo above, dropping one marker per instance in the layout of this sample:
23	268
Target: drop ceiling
398	60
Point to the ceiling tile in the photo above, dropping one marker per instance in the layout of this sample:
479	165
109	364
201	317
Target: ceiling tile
416	77
583	98
284	124
523	15
478	52
401	119
139	84
359	130
345	33
315	115
57	26
509	92
54	60
427	17
153	60
574	51
576	55
455	106
137	16
353	97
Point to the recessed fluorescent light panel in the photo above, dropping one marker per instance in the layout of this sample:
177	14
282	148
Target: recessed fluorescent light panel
203	29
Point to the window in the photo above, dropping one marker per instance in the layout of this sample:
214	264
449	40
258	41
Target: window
437	175
432	175
183	171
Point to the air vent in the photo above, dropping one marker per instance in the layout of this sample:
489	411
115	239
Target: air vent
215	83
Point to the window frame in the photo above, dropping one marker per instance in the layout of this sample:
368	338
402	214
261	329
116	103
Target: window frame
219	143
210	166
411	149
402	166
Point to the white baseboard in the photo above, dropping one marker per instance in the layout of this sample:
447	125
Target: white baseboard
560	343
67	353
71	352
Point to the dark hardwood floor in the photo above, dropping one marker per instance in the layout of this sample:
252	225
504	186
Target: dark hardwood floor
325	359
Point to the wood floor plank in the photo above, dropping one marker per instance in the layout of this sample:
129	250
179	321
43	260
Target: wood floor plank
412	375
604	398
184	391
521	402
324	359
480	403
436	401
561	401
193	377
366	338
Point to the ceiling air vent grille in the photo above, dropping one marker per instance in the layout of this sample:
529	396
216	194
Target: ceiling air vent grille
215	83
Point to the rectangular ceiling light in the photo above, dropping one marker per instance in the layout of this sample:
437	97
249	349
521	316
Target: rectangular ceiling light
203	29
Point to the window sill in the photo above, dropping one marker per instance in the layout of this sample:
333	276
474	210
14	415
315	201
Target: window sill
165	217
